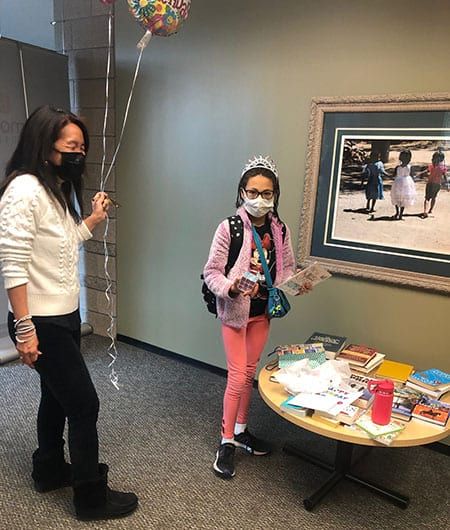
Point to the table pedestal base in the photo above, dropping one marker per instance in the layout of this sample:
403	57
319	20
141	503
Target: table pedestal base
340	470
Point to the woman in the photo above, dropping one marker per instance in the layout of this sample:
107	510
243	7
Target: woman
245	324
40	231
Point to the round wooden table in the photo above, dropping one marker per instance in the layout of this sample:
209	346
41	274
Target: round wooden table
416	432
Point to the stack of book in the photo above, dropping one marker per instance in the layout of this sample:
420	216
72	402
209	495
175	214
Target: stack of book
362	359
384	434
291	353
359	383
347	416
432	382
332	401
297	410
394	370
432	411
405	399
332	344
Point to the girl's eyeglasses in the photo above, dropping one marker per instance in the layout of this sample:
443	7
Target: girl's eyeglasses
265	194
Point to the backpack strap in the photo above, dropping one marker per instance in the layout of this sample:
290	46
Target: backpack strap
283	230
237	237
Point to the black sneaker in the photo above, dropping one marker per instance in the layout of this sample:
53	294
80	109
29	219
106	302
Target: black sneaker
251	444
224	462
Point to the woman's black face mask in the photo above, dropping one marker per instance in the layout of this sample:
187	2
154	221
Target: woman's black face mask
72	165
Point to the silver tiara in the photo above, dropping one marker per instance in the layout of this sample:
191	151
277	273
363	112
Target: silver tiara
261	161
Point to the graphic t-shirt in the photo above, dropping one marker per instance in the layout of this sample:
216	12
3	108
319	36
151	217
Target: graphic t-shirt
258	304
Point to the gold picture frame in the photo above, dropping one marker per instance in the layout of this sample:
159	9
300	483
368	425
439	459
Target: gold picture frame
345	240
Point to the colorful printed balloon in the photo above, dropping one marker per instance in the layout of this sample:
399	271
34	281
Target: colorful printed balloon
160	17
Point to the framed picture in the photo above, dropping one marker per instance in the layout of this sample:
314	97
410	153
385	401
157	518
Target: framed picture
377	189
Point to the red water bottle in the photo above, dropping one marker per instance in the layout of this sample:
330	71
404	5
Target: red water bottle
382	404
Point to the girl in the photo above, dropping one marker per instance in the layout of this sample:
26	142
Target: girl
403	191
245	324
373	172
437	171
40	231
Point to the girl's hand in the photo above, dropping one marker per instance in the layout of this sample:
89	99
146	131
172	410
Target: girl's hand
100	206
234	291
253	292
29	351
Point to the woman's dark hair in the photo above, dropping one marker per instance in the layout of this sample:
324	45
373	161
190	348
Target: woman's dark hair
32	154
265	173
405	156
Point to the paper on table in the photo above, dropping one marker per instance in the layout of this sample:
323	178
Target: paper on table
313	401
313	274
333	401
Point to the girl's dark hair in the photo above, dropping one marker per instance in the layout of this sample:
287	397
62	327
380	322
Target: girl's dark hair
438	157
37	138
405	156
265	173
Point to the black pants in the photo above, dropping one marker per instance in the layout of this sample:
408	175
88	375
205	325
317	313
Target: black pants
67	391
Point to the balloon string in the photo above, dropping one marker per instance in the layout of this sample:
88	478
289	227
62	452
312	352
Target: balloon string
125	119
105	118
112	349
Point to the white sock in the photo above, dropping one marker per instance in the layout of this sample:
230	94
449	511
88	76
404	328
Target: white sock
239	428
227	441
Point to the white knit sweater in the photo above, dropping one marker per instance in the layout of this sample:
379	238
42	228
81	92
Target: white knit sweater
39	247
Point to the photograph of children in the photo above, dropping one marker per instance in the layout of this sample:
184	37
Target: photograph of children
394	191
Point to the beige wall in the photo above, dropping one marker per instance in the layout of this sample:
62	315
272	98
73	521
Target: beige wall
237	80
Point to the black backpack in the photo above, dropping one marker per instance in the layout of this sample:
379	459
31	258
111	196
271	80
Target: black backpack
237	237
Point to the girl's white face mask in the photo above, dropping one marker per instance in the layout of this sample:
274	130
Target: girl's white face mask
257	207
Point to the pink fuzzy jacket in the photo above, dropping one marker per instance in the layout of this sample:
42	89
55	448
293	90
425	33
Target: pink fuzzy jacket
234	312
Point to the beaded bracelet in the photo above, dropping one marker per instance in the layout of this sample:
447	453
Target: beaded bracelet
24	329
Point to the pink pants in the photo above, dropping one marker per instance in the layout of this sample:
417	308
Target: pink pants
243	348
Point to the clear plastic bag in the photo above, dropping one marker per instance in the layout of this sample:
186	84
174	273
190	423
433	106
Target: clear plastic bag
301	377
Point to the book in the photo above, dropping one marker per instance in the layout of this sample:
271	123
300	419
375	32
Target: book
359	383
365	399
432	411
311	274
332	344
291	353
405	399
326	419
357	354
374	430
394	370
297	410
435	394
432	379
388	438
371	365
350	414
333	400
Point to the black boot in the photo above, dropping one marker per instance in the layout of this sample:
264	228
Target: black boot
94	500
50	473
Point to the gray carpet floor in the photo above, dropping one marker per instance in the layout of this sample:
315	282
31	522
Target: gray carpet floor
159	434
